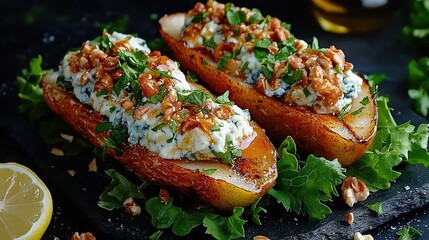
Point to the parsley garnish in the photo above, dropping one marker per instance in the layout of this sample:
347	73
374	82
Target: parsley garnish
209	43
292	76
224	99
234	17
118	136
101	92
306	92
315	44
158	127
229	155
215	128
256	16
209	171
408	233
103	126
376	207
159	96
374	80
199	17
222	62
343	111
197	97
364	102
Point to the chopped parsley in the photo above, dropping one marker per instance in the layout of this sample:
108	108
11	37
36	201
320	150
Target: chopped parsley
376	207
224	99
103	126
306	92
343	111
101	92
230	154
210	43
199	17
234	17
292	76
196	97
158	127
256	16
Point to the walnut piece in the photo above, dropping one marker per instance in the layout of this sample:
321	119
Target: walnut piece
350	218
92	166
83	236
354	190
164	196
57	152
359	236
132	207
260	237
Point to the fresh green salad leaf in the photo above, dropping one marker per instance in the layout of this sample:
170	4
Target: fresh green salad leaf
118	191
30	93
303	187
225	227
165	215
374	80
416	33
376	207
155	235
408	233
392	145
418	80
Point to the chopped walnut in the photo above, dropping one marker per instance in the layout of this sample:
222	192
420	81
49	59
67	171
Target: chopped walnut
83	236
68	138
260	237
71	172
92	166
354	190
132	207
359	236
57	152
350	218
164	196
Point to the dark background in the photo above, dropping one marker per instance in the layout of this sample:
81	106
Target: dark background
50	28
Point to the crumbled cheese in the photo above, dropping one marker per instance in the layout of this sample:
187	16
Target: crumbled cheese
163	141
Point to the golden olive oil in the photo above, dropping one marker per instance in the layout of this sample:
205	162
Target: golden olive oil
354	16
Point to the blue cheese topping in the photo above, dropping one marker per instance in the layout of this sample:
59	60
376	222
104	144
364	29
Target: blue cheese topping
261	51
160	109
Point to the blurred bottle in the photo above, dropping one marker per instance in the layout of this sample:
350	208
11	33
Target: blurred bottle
354	16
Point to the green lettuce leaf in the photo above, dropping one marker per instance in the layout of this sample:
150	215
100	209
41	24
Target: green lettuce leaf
182	221
392	145
408	233
29	91
304	187
118	191
418	80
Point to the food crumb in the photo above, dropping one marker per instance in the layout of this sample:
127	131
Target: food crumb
71	172
260	237
67	137
57	152
92	166
359	236
83	236
350	218
407	187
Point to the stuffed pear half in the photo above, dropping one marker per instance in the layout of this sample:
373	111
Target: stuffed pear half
139	107
291	88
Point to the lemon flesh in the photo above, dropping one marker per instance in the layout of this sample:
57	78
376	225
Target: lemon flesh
25	203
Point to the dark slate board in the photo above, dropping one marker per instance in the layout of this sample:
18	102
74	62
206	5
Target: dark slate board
64	25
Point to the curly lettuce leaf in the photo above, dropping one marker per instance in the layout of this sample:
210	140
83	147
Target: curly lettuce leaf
304	187
29	91
118	191
392	145
418	80
416	32
165	215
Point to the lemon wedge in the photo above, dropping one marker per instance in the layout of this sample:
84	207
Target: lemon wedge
25	203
